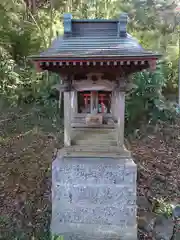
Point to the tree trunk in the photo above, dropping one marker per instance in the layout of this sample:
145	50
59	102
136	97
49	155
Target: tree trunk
34	6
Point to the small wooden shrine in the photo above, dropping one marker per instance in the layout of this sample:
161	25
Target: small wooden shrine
94	176
95	59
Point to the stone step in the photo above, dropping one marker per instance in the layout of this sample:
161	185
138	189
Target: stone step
95	154
96	140
94	137
93	129
84	125
94	148
101	143
101	151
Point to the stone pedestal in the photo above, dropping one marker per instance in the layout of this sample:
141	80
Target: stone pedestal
94	198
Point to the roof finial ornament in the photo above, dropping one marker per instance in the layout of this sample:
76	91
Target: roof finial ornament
123	24
67	24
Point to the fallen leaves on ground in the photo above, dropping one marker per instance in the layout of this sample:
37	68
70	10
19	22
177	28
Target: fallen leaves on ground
26	151
27	144
157	155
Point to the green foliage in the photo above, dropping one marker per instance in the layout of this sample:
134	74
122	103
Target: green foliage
24	84
10	79
146	102
163	208
57	238
18	34
170	69
35	87
26	29
22	34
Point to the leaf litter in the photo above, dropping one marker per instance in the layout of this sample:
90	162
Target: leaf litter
26	150
157	155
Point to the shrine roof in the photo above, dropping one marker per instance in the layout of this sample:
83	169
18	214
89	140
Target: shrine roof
94	38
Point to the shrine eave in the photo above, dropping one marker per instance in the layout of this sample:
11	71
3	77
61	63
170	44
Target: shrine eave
98	58
126	65
55	63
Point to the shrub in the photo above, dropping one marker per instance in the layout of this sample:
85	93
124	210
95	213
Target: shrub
145	103
22	84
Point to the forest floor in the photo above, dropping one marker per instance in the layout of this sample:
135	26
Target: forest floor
156	152
28	139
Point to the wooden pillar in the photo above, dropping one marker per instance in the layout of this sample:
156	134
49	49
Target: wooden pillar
67	119
73	104
113	104
120	108
94	101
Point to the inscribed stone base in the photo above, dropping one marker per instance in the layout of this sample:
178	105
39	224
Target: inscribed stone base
94	198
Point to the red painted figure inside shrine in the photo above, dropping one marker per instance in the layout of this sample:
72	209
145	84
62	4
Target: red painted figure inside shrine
102	102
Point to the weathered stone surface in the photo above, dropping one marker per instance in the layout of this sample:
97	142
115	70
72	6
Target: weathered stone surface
163	228
75	231
117	196
143	203
177	231
94	193
94	119
100	171
94	214
146	220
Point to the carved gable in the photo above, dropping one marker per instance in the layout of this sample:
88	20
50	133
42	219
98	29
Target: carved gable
94	82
